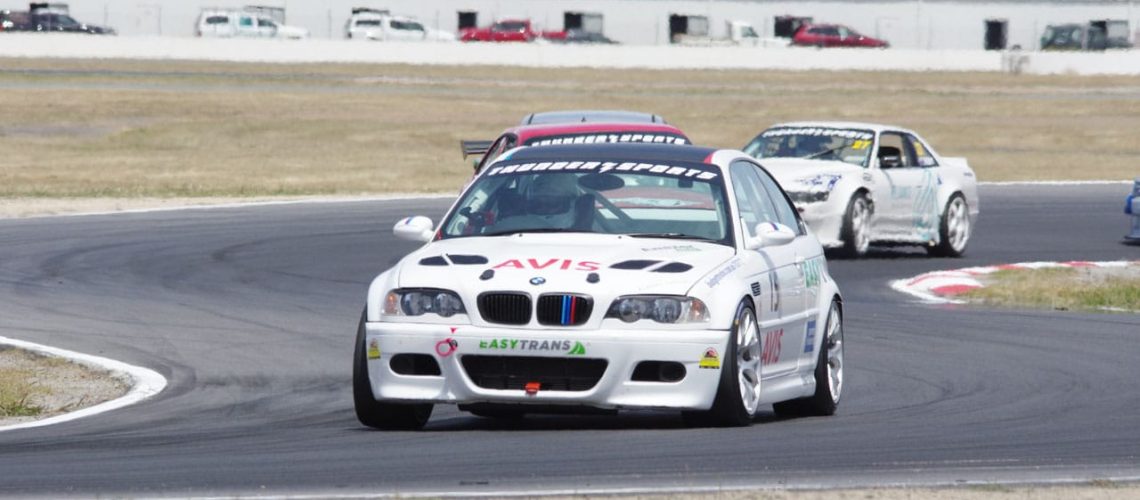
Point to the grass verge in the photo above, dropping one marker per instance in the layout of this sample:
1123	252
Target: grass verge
1078	289
35	386
130	129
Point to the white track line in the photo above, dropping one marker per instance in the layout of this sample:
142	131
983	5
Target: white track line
249	204
1054	183
429	196
144	382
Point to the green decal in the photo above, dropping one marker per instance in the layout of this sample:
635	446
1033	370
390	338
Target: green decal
578	349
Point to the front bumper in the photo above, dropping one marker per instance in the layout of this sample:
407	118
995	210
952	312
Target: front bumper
825	220
622	351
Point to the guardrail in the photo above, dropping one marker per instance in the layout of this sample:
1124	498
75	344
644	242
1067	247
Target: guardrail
557	55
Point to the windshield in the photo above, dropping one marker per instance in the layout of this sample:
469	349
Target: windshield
606	137
814	143
677	200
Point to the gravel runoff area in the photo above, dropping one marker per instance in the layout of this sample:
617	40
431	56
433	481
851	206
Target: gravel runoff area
51	386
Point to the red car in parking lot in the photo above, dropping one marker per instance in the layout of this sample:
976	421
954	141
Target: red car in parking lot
834	35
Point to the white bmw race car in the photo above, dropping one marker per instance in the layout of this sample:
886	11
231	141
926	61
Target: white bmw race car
605	276
858	183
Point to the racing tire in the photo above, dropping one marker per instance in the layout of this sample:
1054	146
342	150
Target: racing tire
856	231
953	229
376	414
738	393
828	373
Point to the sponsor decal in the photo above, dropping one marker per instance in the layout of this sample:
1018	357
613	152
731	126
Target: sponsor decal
551	264
607	166
717	277
772	347
608	138
813	272
819	131
446	347
710	359
926	207
572	348
672	248
809	338
374	349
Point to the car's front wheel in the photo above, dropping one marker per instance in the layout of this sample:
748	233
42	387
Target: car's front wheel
828	372
954	229
856	232
738	394
373	413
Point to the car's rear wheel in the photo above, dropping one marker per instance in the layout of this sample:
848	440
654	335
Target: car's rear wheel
738	394
954	229
377	414
828	373
856	232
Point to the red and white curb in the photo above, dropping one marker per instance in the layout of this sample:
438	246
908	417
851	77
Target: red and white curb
941	287
144	382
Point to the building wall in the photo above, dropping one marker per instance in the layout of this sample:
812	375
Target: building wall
905	23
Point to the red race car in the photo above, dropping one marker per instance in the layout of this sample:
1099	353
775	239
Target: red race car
572	133
508	30
834	35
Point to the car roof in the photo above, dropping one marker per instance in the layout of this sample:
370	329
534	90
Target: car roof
527	132
613	152
571	116
874	127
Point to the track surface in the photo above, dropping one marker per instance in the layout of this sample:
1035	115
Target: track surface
251	312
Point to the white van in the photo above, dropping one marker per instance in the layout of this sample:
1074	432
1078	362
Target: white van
371	24
226	23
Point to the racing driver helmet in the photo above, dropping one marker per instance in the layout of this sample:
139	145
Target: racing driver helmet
552	194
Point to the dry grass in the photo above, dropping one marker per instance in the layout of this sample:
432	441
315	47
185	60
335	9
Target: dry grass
136	129
1085	289
36	386
18	388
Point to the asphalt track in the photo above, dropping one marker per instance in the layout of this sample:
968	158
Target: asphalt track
251	312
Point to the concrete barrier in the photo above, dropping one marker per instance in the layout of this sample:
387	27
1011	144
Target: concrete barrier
555	55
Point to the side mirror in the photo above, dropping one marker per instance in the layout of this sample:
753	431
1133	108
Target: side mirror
417	228
890	161
770	234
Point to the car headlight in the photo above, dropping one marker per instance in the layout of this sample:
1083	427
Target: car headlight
812	189
659	308
809	196
418	302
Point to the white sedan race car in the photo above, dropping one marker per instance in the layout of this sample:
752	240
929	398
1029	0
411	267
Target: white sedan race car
605	277
857	184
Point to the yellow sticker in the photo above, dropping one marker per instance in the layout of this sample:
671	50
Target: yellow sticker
860	144
710	359
918	149
374	349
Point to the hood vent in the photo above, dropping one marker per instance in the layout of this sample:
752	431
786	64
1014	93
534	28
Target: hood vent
634	264
467	260
459	260
673	267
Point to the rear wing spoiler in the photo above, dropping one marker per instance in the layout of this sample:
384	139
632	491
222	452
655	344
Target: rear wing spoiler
474	147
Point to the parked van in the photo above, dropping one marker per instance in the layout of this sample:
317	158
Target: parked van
226	23
373	24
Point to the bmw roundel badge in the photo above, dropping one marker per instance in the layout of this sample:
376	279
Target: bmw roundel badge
537	280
